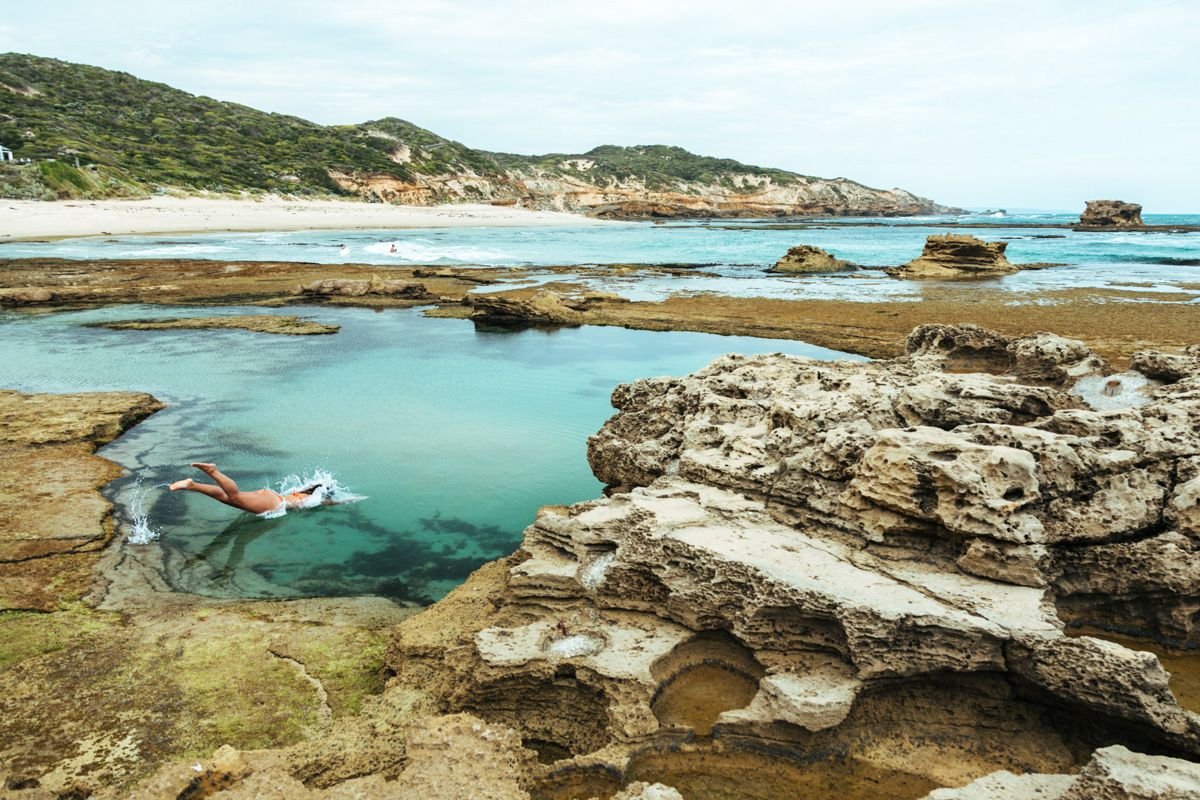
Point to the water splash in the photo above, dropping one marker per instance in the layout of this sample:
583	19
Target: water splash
140	530
328	492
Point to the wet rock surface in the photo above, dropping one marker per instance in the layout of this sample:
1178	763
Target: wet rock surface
807	259
1111	214
53	523
957	256
285	325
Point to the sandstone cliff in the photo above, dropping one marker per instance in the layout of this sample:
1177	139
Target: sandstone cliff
592	183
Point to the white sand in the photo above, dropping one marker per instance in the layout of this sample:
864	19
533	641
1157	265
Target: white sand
31	219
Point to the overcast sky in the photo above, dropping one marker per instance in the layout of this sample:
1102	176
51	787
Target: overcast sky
1020	103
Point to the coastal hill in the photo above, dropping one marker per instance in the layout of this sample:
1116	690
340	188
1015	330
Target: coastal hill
89	132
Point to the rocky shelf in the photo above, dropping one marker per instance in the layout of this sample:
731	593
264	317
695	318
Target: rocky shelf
286	325
864	580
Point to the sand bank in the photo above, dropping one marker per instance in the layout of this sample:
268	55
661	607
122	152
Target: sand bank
32	219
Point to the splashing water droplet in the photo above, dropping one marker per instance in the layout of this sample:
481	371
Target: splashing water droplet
140	531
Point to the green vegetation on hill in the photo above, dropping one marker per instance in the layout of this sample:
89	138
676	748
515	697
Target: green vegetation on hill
658	165
92	133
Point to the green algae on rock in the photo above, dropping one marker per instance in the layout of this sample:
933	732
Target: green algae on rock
288	325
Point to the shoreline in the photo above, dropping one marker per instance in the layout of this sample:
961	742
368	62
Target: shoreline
38	220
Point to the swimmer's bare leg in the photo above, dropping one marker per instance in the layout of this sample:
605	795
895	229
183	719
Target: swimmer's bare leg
215	492
224	481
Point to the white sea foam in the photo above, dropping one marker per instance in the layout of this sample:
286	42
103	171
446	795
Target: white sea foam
425	252
140	530
328	492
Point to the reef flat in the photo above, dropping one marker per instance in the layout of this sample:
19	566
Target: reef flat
1103	317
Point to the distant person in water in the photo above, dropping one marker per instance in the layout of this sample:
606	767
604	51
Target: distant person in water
226	491
392	249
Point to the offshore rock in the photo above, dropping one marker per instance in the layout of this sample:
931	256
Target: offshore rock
807	259
1111	214
957	256
341	287
540	307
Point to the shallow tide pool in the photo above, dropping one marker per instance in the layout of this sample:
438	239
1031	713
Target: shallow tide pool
455	435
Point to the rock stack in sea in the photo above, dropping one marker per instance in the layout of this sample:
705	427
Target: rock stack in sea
1111	214
805	259
957	256
837	577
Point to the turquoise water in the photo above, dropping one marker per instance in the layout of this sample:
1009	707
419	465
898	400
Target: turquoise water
455	435
736	253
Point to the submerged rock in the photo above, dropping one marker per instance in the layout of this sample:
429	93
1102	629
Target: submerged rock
258	323
807	259
956	255
1111	214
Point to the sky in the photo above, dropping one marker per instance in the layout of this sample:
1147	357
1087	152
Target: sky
1015	104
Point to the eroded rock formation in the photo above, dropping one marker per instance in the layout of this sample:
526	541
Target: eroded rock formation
868	561
956	255
807	259
819	579
341	287
537	307
1111	214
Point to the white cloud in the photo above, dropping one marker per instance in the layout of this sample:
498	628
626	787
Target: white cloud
1017	102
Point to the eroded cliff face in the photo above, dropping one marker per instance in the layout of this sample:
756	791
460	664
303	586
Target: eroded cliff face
577	187
808	578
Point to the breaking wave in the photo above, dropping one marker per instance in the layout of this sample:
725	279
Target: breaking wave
425	252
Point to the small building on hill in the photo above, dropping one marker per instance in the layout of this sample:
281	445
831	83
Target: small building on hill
5	153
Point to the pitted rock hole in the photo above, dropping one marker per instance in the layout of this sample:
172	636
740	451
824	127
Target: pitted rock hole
703	678
570	783
558	719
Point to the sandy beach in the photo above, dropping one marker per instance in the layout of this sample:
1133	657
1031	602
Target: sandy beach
32	219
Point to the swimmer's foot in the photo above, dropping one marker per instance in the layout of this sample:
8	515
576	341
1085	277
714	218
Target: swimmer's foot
205	467
186	483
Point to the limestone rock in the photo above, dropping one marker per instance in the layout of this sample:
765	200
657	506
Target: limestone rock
341	287
640	790
806	259
1113	773
282	324
958	256
1111	214
54	523
541	307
